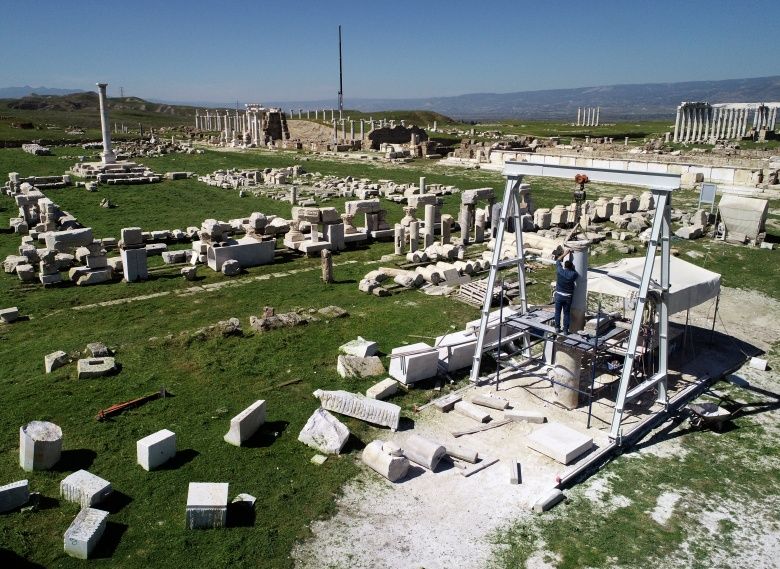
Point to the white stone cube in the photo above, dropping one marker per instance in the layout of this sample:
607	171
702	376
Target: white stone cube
207	505
156	449
85	532
416	362
84	488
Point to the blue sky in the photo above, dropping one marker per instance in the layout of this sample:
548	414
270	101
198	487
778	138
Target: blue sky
266	50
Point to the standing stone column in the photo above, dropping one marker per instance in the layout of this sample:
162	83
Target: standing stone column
479	226
414	236
400	239
598	112
677	126
352	130
327	266
430	222
362	136
108	155
715	119
707	118
579	110
465	224
579	298
422	184
446	228
335	133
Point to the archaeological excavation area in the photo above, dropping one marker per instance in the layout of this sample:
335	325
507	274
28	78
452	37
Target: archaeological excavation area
309	339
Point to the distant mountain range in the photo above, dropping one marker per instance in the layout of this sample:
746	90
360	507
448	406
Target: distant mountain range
18	92
617	102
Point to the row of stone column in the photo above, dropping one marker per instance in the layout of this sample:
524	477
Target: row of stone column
703	122
588	116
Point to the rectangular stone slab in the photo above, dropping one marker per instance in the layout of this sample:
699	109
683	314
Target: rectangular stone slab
246	423
383	389
85	532
408	367
519	415
447	403
471	411
491	402
559	442
14	495
360	407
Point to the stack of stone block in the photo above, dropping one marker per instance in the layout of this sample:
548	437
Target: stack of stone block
95	269
133	253
48	268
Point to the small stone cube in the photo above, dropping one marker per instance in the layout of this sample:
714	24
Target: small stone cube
156	449
84	488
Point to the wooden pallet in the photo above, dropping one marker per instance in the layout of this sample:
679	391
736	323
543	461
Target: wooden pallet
473	293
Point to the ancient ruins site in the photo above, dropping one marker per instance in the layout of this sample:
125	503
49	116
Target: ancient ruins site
539	329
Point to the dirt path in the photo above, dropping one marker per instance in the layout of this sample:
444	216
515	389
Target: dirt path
442	520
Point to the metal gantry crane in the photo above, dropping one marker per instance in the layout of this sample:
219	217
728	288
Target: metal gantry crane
662	186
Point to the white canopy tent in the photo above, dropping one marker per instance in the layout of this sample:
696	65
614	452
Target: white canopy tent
690	285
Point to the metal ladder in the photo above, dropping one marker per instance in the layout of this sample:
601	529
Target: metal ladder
660	232
510	209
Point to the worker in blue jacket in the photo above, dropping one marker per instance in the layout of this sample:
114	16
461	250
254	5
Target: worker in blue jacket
566	278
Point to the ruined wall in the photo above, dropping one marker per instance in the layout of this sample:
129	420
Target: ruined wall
395	135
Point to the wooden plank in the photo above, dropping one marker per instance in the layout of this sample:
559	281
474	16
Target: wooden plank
491	425
481	465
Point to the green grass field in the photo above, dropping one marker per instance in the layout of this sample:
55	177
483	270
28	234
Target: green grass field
212	379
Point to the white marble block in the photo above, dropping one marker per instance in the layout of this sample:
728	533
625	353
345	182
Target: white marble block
424	452
40	445
85	532
385	460
361	407
325	433
383	389
156	449
559	442
14	495
456	350
361	347
84	488
414	362
207	505
246	423
471	411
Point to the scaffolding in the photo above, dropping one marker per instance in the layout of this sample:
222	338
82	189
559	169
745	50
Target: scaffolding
532	327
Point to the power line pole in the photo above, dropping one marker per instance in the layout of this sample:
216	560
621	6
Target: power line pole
341	77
